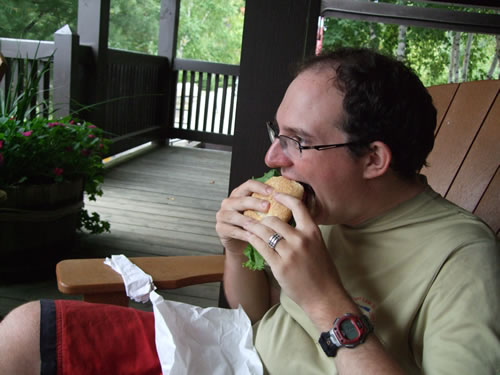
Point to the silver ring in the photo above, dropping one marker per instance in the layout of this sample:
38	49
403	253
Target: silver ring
273	240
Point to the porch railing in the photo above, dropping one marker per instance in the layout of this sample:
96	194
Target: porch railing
205	101
24	58
142	97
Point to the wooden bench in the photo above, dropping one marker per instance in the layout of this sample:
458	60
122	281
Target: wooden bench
463	167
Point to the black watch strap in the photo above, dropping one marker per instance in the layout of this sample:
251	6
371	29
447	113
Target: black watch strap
327	345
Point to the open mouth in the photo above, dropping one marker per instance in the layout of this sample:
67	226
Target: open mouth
309	196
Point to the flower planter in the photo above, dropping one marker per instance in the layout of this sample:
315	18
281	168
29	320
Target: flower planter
37	227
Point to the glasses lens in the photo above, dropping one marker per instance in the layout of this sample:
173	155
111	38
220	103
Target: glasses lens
290	146
271	131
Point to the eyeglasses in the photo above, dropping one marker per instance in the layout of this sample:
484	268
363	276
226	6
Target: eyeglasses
291	147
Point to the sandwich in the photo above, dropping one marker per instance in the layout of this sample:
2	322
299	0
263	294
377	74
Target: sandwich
280	184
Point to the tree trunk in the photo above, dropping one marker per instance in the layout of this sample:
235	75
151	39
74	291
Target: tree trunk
496	58
465	66
401	50
454	57
373	37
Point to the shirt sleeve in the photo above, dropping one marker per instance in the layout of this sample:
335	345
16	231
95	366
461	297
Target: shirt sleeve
457	330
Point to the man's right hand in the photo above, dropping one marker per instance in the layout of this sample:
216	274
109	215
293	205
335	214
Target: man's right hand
230	218
242	286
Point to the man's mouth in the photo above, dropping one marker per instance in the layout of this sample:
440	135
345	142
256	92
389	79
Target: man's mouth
309	196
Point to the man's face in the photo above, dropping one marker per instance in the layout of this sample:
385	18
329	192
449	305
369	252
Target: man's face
310	112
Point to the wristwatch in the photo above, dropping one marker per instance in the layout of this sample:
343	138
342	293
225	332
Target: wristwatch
348	331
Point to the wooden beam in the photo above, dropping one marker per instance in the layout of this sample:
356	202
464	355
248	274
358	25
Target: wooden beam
169	24
66	85
276	35
412	15
207	67
26	49
93	24
93	29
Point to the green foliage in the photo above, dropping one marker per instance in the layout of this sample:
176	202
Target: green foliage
134	25
427	50
428	54
35	149
28	19
211	30
42	151
208	30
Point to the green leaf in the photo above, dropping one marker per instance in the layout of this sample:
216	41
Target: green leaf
255	261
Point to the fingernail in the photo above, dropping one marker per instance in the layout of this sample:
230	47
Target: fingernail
269	190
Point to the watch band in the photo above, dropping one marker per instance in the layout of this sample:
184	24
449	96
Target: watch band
331	341
327	345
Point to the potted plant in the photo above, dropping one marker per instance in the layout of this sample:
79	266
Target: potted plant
46	167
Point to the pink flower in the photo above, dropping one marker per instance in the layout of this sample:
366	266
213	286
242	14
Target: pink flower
52	124
85	152
1	143
92	126
28	133
92	136
58	171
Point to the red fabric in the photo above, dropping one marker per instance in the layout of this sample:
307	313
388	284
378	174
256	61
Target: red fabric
105	339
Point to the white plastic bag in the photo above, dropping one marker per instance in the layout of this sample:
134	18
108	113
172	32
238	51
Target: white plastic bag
190	339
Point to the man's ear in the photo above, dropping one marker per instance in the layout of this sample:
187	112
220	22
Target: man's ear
377	160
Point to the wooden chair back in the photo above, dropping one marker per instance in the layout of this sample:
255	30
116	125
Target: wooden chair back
464	165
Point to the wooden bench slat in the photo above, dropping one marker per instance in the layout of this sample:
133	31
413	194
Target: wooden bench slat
442	95
460	125
489	207
480	164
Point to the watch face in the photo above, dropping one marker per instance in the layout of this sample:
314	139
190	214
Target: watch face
349	330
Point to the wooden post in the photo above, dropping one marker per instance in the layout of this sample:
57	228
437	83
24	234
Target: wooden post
167	46
277	34
169	24
65	74
93	28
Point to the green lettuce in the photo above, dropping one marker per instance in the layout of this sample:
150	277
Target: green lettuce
255	261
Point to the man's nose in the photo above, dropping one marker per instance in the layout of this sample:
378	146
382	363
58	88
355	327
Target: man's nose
275	157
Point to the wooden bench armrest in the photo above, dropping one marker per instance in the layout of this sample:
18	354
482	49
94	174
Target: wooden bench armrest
98	282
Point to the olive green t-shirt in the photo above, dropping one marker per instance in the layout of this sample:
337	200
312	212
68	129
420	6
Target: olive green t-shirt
427	275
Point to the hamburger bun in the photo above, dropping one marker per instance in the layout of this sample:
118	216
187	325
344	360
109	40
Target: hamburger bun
280	184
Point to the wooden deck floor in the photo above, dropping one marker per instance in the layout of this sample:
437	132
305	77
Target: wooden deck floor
160	203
